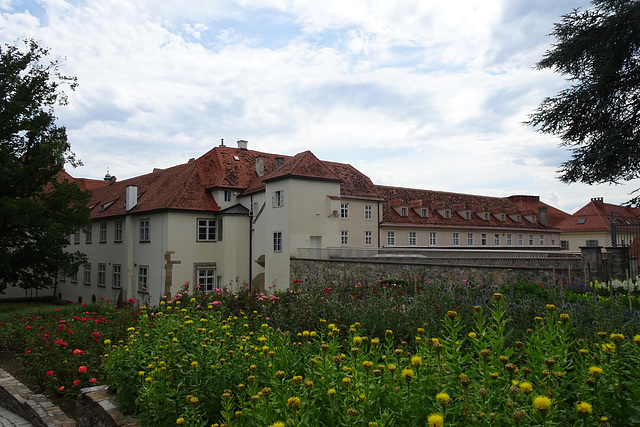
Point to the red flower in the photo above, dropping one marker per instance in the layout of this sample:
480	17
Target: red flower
77	352
93	380
61	388
82	369
49	373
27	352
76	383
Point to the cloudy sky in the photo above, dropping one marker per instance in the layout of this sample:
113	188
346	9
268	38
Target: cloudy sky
414	93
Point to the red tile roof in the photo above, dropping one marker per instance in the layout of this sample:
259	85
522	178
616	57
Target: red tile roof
438	200
554	215
595	216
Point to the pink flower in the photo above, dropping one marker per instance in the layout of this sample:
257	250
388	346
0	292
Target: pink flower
27	352
82	369
49	373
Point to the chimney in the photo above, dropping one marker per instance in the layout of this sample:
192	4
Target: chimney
131	199
597	200
112	179
543	216
260	165
242	144
279	162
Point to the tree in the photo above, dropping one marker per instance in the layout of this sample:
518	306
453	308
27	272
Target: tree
598	116
39	207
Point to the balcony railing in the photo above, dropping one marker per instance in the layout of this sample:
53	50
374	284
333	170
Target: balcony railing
424	254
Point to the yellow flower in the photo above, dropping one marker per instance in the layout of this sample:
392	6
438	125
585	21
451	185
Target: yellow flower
294	402
392	367
331	392
346	381
542	403
435	420
443	398
194	364
357	340
526	387
108	342
472	335
376	341
617	337
595	371
407	374
180	421
564	317
277	424
584	407
551	307
636	339
416	361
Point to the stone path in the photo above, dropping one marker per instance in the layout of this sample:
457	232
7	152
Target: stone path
9	419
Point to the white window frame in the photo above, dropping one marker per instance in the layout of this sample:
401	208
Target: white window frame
470	239
117	231
413	238
455	239
277	241
207	230
145	230
103	232
404	212
87	274
88	234
368	212
344	237
509	240
484	241
227	195
116	276
278	199
102	274
344	210
520	240
496	239
143	278
391	238
530	239
74	277
564	245
433	238
424	213
591	243
76	237
206	279
368	238
541	240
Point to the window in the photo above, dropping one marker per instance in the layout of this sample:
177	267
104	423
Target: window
74	277
530	239
207	230
368	238
344	237
564	245
496	240
520	240
502	217
391	238
87	233
483	239
87	274
144	230
469	239
553	241
542	240
207	280
486	216
102	274
509	240
432	238
278	199
117	232
404	212
456	239
344	210
115	278
368	212
447	214
227	195
62	277
413	238
277	241
76	237
423	213
143	278
103	232
467	215
592	243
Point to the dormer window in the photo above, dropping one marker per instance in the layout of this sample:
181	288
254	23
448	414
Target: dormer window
447	214
424	213
404	212
486	216
227	195
467	215
502	217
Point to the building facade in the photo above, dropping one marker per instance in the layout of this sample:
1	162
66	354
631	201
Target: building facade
234	218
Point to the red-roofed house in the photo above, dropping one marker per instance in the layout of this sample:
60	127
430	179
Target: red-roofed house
591	224
235	216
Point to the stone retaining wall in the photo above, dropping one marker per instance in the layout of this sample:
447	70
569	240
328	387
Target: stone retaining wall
342	271
97	408
35	408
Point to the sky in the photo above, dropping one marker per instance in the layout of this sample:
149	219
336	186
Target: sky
413	93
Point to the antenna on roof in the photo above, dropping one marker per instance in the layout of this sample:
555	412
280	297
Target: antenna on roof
221	142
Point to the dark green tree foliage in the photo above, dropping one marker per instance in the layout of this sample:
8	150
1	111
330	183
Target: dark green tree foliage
598	117
39	208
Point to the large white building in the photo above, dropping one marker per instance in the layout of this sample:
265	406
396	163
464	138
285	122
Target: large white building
235	217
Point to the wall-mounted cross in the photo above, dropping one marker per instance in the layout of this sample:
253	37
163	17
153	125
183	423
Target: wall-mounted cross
168	276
